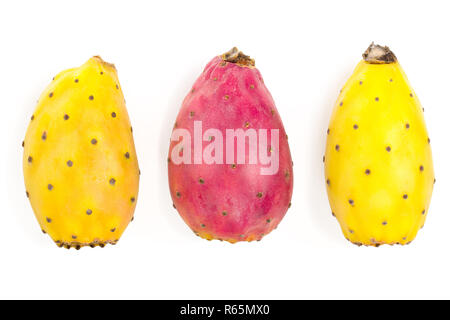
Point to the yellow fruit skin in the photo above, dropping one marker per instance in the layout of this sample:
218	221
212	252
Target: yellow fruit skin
67	173
378	165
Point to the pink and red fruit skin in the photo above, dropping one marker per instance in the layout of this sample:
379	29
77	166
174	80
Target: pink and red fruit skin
222	201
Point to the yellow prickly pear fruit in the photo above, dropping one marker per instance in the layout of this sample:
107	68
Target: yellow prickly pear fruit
378	165
79	162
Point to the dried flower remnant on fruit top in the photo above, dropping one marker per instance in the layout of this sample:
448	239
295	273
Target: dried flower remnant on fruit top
377	54
237	57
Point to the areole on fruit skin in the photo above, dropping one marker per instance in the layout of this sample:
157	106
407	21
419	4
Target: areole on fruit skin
231	202
378	165
80	165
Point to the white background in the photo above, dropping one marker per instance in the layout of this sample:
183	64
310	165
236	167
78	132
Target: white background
305	51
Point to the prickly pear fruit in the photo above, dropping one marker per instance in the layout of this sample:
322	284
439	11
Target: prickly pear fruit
378	166
79	162
232	198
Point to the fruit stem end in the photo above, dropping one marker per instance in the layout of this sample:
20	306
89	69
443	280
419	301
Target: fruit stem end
377	54
236	56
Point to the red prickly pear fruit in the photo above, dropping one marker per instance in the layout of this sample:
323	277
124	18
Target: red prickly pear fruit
230	167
